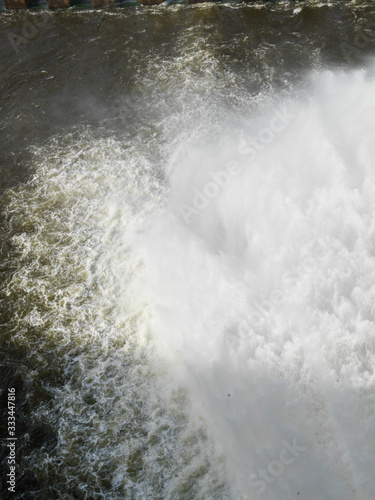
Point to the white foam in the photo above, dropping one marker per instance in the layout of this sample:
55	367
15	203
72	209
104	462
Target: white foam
299	219
260	305
123	424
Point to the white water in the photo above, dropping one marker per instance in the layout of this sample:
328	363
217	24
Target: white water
151	303
305	371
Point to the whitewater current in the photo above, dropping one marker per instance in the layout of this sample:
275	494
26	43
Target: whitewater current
197	296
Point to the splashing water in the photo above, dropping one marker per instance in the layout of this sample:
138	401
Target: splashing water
262	289
207	297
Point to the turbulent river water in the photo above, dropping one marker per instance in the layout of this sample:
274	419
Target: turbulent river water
188	251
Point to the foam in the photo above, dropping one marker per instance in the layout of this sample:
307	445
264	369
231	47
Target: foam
178	357
298	219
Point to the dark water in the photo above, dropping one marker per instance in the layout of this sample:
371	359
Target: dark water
51	83
94	104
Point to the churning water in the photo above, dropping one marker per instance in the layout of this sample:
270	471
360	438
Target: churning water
188	253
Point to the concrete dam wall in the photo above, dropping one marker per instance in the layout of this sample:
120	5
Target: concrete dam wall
64	4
